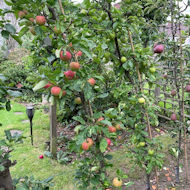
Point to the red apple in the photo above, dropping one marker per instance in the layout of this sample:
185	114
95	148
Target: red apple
69	74
187	88
31	19
92	81
64	93
55	91
65	56
108	141
100	119
79	53
173	92
21	14
85	146
74	65
40	20
173	117
159	48
112	129
41	156
90	142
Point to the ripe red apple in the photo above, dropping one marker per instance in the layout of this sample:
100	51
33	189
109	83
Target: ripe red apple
173	117
108	141
100	119
90	142
41	156
187	88
159	48
55	91
31	19
112	129
85	146
48	85
78	100
173	92
40	20
79	53
69	74
92	81
65	56
64	93
21	14
74	65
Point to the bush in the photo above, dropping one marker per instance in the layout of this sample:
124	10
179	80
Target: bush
19	74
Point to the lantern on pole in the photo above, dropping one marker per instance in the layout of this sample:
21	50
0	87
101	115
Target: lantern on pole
30	114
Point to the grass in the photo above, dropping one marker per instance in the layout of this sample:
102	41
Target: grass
26	155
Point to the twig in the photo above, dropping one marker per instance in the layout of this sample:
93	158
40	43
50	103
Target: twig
61	7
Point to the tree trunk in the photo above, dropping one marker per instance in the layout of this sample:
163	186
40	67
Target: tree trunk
6	182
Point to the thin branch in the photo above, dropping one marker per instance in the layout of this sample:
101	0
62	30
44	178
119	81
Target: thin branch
61	7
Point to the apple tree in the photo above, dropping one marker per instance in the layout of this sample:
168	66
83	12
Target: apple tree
92	59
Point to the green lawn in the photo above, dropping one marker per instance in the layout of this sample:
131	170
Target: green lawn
26	155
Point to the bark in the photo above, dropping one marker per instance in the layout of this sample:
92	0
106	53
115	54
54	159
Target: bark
6	182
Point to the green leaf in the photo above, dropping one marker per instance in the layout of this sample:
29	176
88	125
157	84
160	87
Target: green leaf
5	34
2	77
15	37
79	119
108	156
40	85
52	100
106	122
23	31
103	145
10	28
104	95
2	168
14	93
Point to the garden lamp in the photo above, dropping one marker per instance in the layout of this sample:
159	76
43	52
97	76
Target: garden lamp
30	114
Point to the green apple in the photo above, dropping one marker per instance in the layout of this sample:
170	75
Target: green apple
123	59
141	144
151	152
141	100
83	11
152	69
112	35
107	55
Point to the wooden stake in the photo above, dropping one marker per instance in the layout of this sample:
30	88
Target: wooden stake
182	111
53	131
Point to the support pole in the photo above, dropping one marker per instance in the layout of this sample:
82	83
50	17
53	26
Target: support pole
53	131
